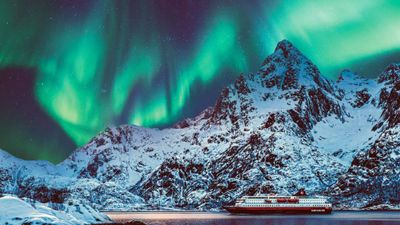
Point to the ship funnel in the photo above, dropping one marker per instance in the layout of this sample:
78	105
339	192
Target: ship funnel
301	192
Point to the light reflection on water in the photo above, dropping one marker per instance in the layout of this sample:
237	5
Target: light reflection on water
195	218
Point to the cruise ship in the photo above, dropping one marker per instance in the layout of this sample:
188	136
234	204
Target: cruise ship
299	203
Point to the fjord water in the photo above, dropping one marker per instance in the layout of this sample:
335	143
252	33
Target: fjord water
195	218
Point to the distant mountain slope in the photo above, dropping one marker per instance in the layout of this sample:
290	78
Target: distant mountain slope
274	131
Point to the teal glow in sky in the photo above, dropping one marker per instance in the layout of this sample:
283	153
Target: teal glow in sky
151	63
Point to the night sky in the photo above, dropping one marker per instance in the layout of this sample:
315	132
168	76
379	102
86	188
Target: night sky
69	69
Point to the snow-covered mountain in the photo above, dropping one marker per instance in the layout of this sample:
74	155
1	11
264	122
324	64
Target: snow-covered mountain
16	211
45	182
273	131
373	179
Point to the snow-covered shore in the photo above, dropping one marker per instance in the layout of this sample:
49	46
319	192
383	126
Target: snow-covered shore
15	211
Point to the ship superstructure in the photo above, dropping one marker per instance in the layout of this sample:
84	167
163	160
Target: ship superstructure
280	204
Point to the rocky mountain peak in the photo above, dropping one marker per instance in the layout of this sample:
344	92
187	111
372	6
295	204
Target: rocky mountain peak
391	74
287	49
286	53
287	68
288	79
347	75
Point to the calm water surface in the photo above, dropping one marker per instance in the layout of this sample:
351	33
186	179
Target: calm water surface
184	218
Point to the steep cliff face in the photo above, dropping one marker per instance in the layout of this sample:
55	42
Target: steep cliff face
280	129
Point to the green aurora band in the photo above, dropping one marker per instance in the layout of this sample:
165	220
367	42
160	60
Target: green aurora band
88	67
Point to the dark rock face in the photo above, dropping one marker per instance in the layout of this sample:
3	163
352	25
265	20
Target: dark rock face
241	85
390	75
223	108
312	107
5	179
373	177
362	98
42	193
391	103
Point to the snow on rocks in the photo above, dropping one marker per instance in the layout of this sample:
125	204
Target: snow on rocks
15	211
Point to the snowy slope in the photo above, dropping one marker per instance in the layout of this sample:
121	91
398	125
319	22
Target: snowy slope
373	179
273	131
45	182
123	154
346	138
16	211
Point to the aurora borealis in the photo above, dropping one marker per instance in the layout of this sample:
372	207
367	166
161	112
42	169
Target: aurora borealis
69	69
